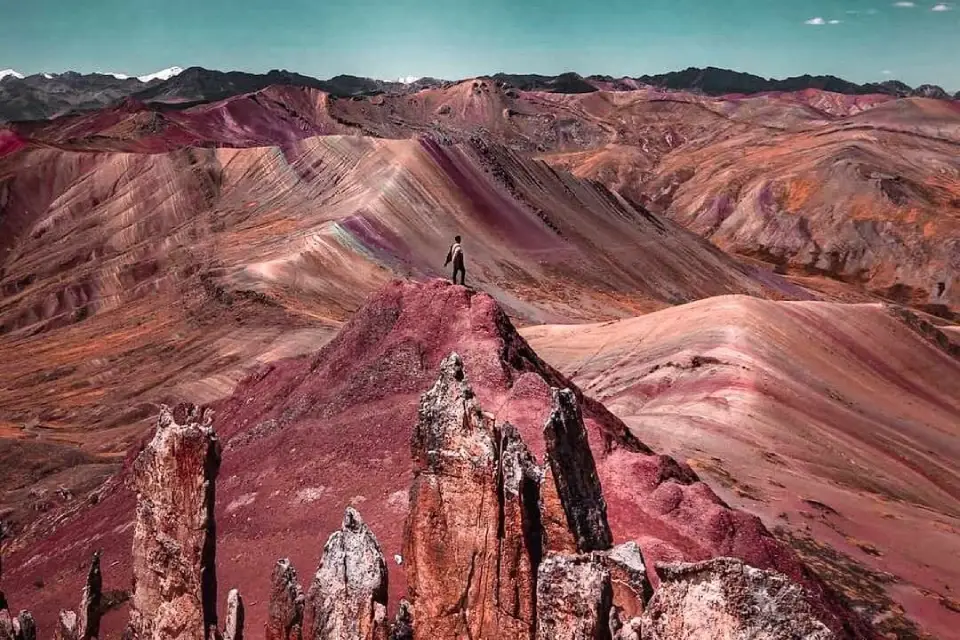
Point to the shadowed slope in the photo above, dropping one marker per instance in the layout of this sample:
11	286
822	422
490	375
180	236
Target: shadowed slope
835	421
305	437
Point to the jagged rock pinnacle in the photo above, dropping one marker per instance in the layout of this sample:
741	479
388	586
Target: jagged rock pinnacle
174	542
88	619
348	597
450	541
285	613
575	474
475	532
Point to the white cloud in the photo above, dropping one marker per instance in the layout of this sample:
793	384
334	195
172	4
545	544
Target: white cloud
941	7
834	22
816	21
887	72
905	5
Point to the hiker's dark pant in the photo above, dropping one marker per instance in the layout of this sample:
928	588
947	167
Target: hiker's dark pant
459	268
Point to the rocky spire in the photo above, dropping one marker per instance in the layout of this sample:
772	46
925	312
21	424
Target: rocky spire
86	625
174	541
486	524
233	622
285	610
725	598
451	532
574	473
472	536
348	597
88	620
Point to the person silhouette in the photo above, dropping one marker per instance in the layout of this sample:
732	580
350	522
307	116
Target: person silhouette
456	255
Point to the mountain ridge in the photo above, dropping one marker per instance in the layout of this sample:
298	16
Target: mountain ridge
42	96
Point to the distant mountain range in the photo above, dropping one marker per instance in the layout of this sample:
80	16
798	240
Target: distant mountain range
43	96
713	81
202	85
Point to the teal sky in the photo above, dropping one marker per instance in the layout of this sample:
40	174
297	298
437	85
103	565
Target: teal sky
461	38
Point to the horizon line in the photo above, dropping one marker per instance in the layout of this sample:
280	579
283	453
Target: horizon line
400	79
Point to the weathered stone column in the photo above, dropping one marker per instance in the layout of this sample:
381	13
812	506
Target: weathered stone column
174	540
285	612
233	622
450	545
88	620
575	478
348	597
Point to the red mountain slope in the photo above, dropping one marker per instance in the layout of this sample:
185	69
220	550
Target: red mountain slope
304	438
838	424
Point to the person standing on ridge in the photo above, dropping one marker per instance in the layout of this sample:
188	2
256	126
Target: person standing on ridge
456	254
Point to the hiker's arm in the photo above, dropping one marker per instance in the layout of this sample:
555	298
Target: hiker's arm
449	256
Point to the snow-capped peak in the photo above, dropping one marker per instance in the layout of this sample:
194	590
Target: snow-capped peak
48	76
408	79
10	73
118	76
166	74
